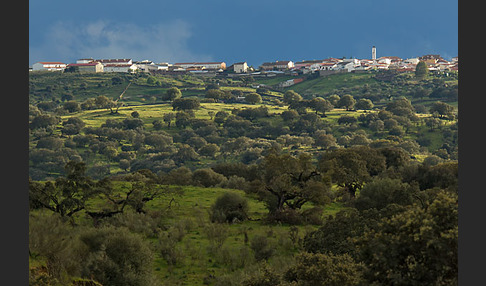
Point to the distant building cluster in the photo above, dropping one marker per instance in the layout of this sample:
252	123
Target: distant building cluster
323	67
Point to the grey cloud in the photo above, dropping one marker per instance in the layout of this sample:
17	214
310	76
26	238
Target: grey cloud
103	39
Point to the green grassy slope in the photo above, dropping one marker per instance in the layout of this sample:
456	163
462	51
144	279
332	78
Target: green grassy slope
189	213
322	85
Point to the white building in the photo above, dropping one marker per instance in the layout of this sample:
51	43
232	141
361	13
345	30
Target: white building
327	66
412	61
126	68
278	65
354	61
345	65
240	67
150	66
385	61
49	66
363	67
207	65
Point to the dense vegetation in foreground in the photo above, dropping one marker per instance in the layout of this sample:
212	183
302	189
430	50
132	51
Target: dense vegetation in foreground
349	179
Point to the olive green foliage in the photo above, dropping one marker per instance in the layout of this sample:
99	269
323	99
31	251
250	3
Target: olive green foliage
185	104
229	207
351	168
444	110
262	247
364	104
253	98
115	256
291	96
333	236
325	269
172	93
416	247
44	121
346	101
421	70
55	240
265	276
381	192
322	191
207	177
290	182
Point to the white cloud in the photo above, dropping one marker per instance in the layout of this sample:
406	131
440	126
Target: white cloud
103	39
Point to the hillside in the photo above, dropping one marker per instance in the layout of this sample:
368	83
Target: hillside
122	188
187	217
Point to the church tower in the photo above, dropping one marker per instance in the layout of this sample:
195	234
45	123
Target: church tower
373	54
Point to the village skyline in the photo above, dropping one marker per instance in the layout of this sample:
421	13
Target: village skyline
331	64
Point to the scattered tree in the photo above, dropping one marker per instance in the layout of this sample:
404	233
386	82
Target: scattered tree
364	104
172	94
291	96
253	98
347	101
421	70
229	207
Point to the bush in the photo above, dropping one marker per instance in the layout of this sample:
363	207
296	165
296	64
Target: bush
51	143
262	248
145	224
181	176
235	182
264	276
313	215
325	269
229	207
216	234
207	177
169	250
381	192
289	216
115	256
54	240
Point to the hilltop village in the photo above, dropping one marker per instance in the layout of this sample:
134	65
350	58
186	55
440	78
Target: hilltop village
284	67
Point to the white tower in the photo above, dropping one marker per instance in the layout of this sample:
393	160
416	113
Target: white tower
373	54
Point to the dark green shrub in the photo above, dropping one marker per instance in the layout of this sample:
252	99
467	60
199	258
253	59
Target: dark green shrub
207	177
115	256
261	247
229	207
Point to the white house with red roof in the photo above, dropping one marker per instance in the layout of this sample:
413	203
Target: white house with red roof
49	66
327	66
